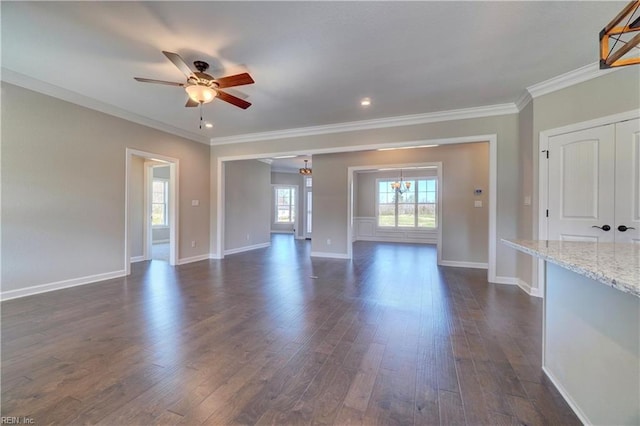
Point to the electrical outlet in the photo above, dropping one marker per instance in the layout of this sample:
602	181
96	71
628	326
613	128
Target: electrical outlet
248	237
328	241
193	243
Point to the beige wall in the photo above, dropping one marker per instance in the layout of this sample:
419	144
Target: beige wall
63	189
247	203
136	199
525	131
465	229
612	93
508	188
294	179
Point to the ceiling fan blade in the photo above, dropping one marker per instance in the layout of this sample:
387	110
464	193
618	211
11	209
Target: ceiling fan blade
233	100
237	93
149	80
178	62
191	103
235	80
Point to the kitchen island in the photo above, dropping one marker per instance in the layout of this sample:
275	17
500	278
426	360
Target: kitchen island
591	326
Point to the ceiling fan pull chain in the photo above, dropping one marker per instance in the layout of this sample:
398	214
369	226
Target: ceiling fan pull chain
200	115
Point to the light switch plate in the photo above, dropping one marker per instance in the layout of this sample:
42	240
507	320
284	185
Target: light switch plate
195	202
477	203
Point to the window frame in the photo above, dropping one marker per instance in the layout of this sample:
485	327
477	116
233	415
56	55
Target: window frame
416	204
293	203
165	183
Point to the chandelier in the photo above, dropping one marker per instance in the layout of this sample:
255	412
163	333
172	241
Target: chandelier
401	186
305	170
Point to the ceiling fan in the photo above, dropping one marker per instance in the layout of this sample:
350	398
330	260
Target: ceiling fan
201	87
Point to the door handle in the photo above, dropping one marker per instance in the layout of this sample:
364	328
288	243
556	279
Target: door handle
623	228
604	227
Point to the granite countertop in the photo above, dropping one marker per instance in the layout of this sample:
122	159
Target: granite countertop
614	264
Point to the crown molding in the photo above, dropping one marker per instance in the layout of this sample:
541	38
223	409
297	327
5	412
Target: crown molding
406	120
568	79
523	100
21	80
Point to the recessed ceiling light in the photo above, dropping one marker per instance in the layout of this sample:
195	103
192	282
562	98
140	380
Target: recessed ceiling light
365	102
208	125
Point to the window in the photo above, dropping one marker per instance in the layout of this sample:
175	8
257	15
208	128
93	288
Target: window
159	202
416	208
285	204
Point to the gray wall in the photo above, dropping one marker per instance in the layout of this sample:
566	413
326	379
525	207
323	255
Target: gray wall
609	94
329	223
247	203
63	189
464	168
162	172
293	179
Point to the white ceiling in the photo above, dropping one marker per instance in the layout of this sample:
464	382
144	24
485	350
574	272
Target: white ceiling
312	61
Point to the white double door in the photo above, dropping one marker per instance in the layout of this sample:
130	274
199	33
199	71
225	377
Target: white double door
594	184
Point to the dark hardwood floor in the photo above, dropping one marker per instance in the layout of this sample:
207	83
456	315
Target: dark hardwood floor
273	336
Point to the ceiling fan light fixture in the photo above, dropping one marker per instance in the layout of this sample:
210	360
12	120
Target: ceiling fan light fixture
201	94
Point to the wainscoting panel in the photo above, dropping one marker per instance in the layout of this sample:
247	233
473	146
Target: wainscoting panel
365	229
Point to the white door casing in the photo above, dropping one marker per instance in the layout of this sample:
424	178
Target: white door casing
581	182
627	175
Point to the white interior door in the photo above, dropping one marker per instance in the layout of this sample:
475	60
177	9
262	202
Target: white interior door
581	182
627	193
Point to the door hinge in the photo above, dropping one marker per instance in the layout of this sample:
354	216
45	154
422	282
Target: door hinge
546	151
547	212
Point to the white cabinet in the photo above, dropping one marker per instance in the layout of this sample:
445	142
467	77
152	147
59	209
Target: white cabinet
594	184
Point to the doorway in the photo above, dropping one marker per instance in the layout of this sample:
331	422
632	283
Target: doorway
308	207
587	175
141	212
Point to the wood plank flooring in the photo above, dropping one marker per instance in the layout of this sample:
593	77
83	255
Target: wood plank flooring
273	336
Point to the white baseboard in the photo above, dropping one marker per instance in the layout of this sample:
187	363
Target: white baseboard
44	288
329	255
457	264
215	256
578	412
247	248
276	231
136	259
192	259
531	291
504	280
